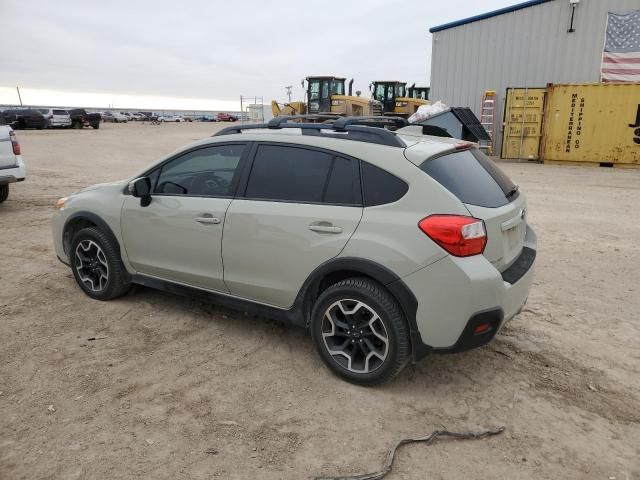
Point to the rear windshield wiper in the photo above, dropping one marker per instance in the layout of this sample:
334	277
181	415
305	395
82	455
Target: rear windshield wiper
513	191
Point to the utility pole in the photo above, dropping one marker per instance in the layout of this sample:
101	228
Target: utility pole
289	87
19	97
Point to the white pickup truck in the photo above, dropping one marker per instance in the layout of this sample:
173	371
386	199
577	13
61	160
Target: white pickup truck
12	168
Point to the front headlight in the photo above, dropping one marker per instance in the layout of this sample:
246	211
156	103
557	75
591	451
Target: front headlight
61	202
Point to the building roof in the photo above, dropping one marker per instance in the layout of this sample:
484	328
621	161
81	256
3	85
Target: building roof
484	16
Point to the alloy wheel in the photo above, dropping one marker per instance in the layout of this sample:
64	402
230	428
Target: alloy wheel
355	336
91	265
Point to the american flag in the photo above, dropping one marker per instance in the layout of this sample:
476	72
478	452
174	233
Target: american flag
621	56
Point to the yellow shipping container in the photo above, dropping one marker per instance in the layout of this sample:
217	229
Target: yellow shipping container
592	123
523	110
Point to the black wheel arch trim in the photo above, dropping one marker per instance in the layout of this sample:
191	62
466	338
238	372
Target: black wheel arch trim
398	289
95	219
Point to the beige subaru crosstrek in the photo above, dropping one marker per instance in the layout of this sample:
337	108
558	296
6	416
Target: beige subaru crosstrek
386	245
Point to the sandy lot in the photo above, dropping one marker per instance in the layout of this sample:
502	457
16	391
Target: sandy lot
184	390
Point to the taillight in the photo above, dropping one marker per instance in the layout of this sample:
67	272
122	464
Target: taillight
14	143
459	235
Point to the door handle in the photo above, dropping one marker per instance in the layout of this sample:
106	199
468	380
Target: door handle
208	220
325	229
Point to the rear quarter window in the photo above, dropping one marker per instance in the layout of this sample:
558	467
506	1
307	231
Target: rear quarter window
380	187
472	177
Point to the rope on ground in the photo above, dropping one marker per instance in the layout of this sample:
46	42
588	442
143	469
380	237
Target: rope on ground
429	439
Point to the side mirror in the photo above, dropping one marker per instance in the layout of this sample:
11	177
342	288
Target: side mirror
141	188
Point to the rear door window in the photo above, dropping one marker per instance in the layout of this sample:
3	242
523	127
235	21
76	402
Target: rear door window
295	174
472	177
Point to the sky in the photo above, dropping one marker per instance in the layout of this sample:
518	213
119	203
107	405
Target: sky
197	54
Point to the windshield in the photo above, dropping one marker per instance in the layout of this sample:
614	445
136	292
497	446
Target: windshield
314	90
337	87
378	93
422	93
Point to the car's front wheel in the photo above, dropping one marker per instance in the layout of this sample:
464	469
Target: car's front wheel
96	265
4	192
360	331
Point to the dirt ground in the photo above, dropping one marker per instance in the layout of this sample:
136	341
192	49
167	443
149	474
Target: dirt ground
177	389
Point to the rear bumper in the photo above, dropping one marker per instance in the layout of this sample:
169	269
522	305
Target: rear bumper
60	123
455	295
14	174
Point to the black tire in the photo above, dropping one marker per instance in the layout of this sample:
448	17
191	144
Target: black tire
377	300
96	126
4	192
117	282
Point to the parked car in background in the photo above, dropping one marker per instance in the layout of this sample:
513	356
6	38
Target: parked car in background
114	117
204	118
137	117
171	118
387	246
12	167
226	117
56	117
23	118
80	118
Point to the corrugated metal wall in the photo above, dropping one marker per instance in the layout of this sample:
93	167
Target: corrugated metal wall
525	48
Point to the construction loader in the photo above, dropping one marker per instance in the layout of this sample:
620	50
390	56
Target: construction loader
325	97
418	92
392	94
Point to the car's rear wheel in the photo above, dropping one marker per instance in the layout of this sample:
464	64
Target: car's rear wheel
4	192
96	265
360	331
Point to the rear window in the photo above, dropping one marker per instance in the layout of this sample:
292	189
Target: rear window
60	112
472	177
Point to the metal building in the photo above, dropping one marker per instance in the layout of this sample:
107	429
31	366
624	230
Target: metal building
526	45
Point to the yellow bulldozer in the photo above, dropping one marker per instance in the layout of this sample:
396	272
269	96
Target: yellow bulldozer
326	96
394	98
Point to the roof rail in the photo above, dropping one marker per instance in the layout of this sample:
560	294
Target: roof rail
349	131
371	121
276	122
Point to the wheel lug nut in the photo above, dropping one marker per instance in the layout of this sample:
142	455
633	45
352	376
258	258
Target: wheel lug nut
360	340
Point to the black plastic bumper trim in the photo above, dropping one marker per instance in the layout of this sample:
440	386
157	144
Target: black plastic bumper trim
468	339
520	267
